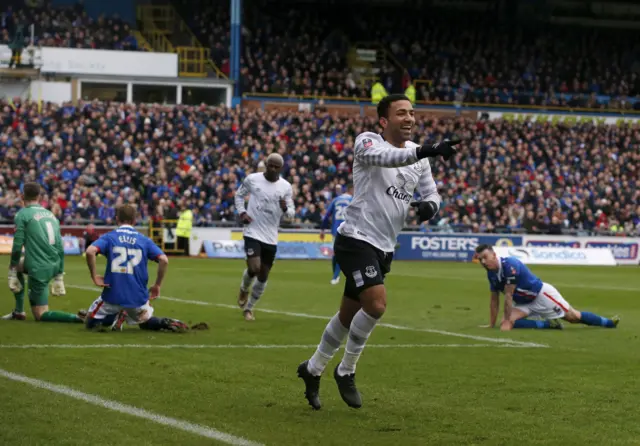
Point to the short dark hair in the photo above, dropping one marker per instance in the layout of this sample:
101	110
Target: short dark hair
483	247
31	191
126	214
385	103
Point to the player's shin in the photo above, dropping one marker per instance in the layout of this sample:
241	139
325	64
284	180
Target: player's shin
60	316
361	328
164	324
595	320
19	297
256	293
332	337
530	323
247	281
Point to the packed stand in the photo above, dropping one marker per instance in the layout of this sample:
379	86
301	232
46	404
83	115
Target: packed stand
470	58
512	176
68	27
286	50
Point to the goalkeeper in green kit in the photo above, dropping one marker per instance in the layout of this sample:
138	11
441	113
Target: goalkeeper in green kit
38	230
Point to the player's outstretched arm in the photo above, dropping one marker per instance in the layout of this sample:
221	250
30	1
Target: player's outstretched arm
370	151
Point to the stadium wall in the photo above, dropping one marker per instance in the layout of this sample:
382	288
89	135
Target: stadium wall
227	243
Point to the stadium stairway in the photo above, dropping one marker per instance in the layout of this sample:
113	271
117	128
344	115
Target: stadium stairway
168	32
368	65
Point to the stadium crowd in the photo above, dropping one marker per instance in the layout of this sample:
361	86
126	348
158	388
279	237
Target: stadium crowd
510	176
68	27
473	58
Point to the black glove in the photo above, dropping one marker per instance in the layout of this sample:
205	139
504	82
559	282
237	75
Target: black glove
426	210
443	148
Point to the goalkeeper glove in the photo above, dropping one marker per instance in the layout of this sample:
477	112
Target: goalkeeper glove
57	287
14	284
426	210
445	148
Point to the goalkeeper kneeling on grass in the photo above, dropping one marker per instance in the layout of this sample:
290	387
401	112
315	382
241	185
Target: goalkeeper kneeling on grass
38	231
125	297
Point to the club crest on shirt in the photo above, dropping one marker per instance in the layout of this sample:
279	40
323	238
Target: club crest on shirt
418	167
367	142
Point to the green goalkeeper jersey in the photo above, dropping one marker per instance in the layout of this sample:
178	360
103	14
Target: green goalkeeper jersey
38	230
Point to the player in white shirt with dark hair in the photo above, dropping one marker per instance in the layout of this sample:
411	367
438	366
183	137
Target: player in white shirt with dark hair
271	197
387	169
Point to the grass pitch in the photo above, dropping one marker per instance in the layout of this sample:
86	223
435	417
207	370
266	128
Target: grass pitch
430	376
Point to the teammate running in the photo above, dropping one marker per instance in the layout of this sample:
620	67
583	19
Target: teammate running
531	296
335	215
125	297
38	231
387	169
271	197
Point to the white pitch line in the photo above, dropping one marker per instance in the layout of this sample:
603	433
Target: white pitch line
202	431
239	346
324	318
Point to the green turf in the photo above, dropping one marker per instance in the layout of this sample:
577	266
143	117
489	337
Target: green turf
581	389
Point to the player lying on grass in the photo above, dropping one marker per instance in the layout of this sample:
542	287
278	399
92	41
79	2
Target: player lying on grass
38	231
526	295
125	297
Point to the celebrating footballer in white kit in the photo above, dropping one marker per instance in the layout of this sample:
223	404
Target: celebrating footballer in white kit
270	198
387	169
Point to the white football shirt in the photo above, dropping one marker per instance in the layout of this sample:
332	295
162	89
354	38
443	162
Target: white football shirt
384	179
264	206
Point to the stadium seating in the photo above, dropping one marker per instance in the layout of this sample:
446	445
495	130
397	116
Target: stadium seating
514	176
464	57
69	27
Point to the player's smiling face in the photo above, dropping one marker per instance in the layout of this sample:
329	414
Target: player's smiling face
401	120
489	260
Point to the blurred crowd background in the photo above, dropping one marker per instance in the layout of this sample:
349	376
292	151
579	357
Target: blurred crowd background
511	176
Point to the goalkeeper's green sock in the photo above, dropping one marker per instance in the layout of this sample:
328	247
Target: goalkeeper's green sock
59	316
20	296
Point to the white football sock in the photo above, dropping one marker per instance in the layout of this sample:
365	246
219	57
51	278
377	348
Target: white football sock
247	281
256	292
361	327
332	337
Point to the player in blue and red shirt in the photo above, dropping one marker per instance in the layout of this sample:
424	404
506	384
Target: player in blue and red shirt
335	217
526	295
125	297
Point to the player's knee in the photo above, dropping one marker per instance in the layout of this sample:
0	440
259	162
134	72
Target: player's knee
377	308
38	312
253	269
263	275
374	301
572	316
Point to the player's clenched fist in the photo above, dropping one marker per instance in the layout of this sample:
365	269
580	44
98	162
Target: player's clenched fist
244	217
